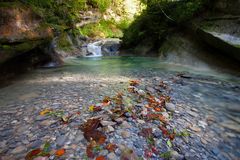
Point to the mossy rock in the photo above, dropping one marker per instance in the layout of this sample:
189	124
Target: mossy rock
64	42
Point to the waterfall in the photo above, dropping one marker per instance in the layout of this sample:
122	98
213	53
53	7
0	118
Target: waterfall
95	49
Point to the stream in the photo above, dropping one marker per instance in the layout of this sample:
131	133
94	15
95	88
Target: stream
207	104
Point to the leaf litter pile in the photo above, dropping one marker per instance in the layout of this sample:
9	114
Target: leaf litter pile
137	103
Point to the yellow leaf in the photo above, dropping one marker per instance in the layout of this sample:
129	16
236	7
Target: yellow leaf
45	111
91	108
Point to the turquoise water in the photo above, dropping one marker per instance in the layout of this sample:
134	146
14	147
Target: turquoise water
126	65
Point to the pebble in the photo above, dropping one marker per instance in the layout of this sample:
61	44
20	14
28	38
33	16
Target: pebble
191	113
203	141
18	150
150	89
109	129
108	123
103	152
61	140
176	156
170	107
195	128
47	122
41	118
125	125
112	156
140	121
125	134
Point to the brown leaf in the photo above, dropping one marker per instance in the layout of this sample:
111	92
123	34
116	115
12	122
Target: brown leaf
95	135
111	147
90	125
134	82
146	132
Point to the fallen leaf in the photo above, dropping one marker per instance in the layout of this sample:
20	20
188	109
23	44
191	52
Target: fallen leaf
91	108
89	151
46	148
45	111
100	158
95	135
33	154
172	136
169	143
106	101
162	118
146	132
60	152
111	147
134	82
164	130
90	125
158	109
148	154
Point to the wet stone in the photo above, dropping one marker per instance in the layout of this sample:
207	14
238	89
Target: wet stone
18	150
170	107
61	140
41	118
112	156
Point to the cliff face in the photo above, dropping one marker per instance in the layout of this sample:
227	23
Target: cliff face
21	30
228	6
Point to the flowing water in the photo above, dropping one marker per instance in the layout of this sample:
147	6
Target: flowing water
214	92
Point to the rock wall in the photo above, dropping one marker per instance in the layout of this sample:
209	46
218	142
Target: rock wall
21	30
228	6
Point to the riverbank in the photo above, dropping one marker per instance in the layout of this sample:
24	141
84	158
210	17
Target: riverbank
202	111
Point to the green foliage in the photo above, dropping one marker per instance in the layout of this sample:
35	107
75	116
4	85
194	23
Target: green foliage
159	17
103	5
65	12
103	29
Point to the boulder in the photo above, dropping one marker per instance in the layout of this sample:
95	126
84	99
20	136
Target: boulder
21	30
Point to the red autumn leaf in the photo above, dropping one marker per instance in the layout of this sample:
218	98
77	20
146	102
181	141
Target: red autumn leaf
172	136
148	153
102	139
106	101
152	116
100	158
89	151
164	130
32	154
60	152
97	108
157	109
111	147
162	118
154	150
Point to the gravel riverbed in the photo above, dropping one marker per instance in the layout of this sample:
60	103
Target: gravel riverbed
202	113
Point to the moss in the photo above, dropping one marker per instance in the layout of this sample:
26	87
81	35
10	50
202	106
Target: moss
104	29
14	4
63	42
237	46
102	5
11	50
